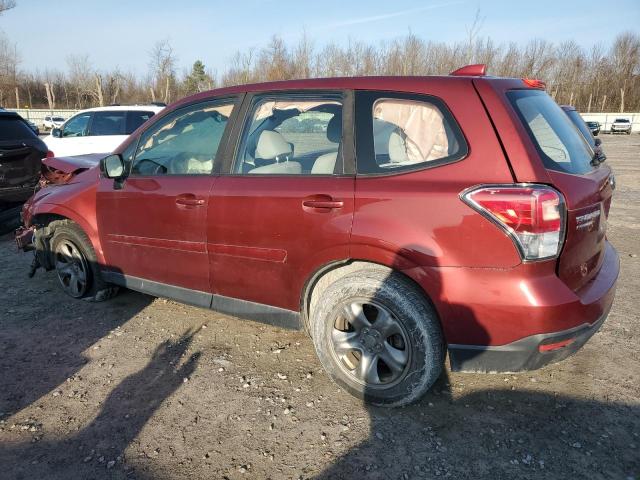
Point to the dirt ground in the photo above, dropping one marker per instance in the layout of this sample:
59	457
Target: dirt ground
146	388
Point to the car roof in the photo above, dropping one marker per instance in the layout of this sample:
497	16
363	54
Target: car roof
4	113
126	108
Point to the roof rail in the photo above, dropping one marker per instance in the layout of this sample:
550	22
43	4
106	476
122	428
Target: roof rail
476	70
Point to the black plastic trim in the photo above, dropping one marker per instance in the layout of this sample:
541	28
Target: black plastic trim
259	312
521	355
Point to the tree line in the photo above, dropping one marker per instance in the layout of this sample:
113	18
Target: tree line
597	79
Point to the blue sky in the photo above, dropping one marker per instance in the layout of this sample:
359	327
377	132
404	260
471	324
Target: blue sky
121	33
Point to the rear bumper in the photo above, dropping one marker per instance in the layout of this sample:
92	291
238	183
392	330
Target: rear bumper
529	353
496	319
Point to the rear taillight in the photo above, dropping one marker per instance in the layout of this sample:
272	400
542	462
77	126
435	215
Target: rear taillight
50	154
532	215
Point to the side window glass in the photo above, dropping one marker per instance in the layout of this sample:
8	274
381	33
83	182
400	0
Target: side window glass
185	143
292	136
108	123
135	119
410	133
77	126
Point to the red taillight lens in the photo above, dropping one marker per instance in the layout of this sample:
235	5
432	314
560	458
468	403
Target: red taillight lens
533	215
50	154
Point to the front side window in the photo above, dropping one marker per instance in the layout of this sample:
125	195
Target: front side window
77	126
404	133
108	123
292	135
184	143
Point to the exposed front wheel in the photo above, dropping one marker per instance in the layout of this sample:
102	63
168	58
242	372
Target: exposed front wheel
378	337
76	265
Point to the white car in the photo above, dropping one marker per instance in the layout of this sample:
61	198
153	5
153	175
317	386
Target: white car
52	121
98	130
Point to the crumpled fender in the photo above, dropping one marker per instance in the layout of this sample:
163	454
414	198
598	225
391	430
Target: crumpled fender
64	211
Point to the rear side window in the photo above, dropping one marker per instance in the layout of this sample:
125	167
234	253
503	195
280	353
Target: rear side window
12	128
404	133
135	119
560	145
108	123
582	126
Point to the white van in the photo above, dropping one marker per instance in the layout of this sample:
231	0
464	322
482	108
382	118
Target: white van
98	130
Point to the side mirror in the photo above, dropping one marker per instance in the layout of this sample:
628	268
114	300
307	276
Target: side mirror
56	132
112	167
598	142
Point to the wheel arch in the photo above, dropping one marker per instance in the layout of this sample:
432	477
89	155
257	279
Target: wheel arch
46	213
333	271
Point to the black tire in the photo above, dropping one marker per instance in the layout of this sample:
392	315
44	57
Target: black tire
72	250
383	294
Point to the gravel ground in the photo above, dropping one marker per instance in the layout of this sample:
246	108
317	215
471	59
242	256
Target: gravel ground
150	389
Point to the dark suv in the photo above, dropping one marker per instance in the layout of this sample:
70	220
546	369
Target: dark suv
395	219
21	152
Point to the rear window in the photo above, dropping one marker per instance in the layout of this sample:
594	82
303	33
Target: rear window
12	128
559	143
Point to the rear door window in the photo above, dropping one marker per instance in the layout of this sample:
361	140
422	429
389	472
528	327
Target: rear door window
560	145
12	128
108	123
135	119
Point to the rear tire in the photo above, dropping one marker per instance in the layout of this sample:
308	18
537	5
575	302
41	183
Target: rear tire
76	265
378	337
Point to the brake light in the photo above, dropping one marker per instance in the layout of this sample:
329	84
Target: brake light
532	215
50	154
533	83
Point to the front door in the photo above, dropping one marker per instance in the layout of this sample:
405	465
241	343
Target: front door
154	227
285	205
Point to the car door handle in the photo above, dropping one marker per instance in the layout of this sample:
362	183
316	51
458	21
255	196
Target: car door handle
189	200
322	201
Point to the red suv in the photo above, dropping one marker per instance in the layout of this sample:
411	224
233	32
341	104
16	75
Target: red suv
395	219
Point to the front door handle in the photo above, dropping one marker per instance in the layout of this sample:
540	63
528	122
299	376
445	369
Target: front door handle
189	200
322	202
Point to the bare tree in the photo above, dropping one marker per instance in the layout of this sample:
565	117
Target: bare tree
6	5
162	66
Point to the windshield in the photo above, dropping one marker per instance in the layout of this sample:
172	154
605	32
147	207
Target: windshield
558	141
58	119
622	120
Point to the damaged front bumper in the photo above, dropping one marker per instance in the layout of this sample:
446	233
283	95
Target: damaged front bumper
24	238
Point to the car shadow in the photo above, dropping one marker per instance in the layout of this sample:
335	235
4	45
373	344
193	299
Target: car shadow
458	431
98	449
43	341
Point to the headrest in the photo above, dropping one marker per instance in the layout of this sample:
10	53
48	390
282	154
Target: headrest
271	145
397	148
334	129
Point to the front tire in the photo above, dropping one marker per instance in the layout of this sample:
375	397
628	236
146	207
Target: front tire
378	337
76	265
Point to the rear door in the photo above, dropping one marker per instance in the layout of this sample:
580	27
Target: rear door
554	152
284	205
107	130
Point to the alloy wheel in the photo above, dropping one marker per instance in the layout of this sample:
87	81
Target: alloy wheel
370	344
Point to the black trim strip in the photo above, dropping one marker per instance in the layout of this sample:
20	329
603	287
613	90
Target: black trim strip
258	312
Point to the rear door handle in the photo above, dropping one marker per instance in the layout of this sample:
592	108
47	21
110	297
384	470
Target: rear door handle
322	201
189	200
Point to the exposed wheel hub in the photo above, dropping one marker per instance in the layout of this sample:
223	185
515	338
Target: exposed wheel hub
371	340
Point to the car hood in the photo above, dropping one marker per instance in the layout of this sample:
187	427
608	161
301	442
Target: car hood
59	170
